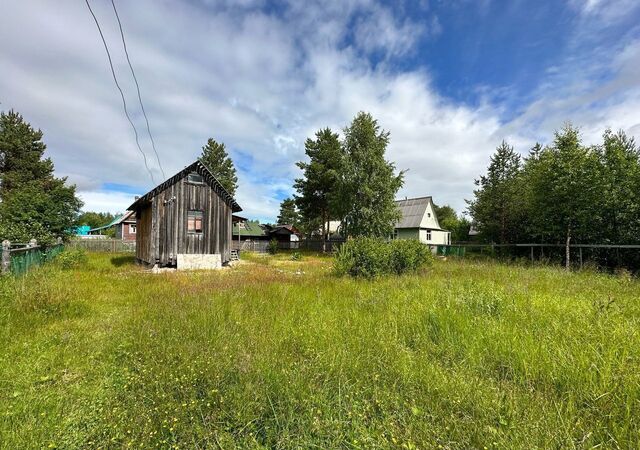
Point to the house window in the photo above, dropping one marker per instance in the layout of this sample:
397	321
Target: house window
195	178
428	235
132	229
194	221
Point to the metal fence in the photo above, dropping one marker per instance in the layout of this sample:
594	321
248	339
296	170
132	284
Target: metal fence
18	259
602	255
104	245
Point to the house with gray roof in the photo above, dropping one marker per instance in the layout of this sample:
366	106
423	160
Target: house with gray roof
419	221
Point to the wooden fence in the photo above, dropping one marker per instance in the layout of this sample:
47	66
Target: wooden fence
18	259
103	245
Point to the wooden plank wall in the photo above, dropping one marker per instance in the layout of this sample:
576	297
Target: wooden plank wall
144	235
168	236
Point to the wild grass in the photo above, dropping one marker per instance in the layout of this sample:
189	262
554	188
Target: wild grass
279	353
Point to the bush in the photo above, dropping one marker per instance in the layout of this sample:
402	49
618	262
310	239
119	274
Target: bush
273	246
408	255
372	257
296	256
71	259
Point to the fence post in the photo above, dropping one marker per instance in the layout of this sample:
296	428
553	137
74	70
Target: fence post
531	254
580	258
33	243
6	256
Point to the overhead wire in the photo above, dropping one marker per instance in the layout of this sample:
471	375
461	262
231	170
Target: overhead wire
124	102
135	79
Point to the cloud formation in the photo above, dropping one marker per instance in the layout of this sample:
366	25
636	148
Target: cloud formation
262	80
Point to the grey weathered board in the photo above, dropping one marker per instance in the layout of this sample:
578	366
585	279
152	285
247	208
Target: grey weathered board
162	224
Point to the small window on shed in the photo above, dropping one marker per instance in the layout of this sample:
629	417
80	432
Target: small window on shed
194	221
195	178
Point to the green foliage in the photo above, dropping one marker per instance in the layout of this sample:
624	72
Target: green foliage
214	156
72	259
496	206
368	184
366	257
564	193
449	220
95	219
22	232
288	213
317	188
369	257
273	246
408	255
296	256
30	195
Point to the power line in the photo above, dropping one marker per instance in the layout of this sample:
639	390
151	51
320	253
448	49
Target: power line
124	44
124	102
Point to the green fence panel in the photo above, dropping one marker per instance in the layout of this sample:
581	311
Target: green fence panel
450	250
24	260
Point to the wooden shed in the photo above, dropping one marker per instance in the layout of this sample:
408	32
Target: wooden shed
188	214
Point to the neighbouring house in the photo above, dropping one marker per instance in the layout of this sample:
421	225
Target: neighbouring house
252	230
185	221
419	221
124	227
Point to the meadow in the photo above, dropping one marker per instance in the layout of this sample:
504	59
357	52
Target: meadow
276	353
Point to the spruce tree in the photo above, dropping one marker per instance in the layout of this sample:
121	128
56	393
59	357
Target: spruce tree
214	156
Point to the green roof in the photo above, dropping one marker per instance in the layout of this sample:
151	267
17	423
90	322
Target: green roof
251	228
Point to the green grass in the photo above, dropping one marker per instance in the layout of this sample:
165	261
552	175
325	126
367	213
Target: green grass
279	354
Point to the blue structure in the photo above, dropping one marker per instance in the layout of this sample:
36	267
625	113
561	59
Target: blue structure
82	230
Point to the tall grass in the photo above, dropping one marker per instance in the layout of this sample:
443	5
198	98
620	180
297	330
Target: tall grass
281	353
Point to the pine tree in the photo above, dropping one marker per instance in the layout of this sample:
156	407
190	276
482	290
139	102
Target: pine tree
214	156
288	213
317	187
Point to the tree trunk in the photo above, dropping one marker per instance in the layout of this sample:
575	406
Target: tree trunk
567	250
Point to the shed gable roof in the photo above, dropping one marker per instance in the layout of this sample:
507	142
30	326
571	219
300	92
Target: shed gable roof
203	170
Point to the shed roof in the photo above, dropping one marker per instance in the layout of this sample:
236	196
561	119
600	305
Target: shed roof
119	219
412	210
203	170
249	228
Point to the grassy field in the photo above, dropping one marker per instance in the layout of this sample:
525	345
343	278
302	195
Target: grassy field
281	354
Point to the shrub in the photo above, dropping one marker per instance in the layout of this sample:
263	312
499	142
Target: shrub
296	256
362	257
273	246
71	259
408	255
372	257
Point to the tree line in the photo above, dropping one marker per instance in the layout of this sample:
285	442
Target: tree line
563	193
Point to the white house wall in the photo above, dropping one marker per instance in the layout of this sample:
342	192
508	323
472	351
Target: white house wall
429	219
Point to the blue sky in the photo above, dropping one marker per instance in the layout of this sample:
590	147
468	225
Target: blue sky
448	79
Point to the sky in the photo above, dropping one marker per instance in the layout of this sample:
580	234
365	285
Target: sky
448	79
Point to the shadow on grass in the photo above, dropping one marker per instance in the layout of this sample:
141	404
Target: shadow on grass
119	261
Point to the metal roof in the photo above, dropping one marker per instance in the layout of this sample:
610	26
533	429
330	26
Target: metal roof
203	170
412	210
